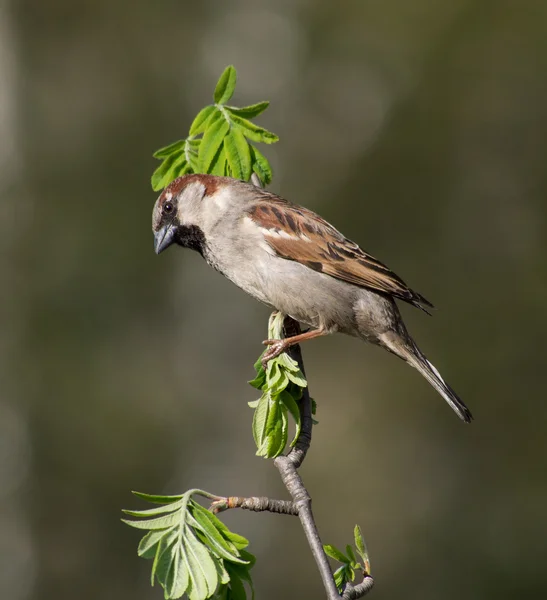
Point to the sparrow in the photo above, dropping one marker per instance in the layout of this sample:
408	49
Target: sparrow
294	261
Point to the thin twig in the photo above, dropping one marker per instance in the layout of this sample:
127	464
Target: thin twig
256	504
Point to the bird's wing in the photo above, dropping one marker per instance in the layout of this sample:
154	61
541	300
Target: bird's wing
298	234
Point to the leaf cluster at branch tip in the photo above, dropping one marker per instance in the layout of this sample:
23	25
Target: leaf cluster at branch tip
224	147
346	573
193	552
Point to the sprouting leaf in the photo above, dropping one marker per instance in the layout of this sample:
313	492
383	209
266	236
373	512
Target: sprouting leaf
333	552
249	112
361	548
350	554
341	578
226	85
204	117
254	132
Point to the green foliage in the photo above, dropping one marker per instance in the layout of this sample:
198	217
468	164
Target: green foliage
223	148
281	385
346	573
193	552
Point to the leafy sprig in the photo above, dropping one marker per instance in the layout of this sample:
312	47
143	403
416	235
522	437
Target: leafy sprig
281	384
218	141
346	573
193	552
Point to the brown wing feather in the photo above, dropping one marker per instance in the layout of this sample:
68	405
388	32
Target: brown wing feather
318	245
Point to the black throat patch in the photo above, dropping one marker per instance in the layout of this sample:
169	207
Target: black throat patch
191	236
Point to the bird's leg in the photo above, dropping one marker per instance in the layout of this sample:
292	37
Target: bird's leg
277	347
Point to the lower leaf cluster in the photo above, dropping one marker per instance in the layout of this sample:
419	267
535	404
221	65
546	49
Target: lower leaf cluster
282	385
193	552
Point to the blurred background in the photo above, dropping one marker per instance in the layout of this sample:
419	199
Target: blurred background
419	129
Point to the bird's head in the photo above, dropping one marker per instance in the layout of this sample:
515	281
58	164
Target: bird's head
180	214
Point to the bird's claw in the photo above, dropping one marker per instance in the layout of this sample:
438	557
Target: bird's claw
276	347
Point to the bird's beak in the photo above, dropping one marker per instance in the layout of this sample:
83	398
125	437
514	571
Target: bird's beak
164	237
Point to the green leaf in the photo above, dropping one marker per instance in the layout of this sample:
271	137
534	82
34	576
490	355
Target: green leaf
292	407
211	143
159	523
277	379
361	548
200	565
201	122
147	546
160	510
333	552
164	556
297	378
226	85
171	168
261	166
237	588
259	419
223	576
349	552
168	150
240	572
238	541
238	155
176	582
249	112
276	438
155	499
218	166
258	381
340	578
254	132
224	548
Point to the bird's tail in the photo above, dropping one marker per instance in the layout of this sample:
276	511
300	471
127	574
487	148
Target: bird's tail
409	352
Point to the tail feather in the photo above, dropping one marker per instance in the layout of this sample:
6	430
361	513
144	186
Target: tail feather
414	357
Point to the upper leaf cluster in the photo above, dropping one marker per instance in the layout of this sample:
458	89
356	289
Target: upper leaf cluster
281	385
224	147
193	551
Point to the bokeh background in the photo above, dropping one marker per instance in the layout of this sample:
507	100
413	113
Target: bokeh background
420	129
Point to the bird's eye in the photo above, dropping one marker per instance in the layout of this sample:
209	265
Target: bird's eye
168	208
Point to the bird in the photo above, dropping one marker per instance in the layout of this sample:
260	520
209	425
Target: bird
291	259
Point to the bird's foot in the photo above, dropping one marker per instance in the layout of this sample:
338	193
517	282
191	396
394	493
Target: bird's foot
276	347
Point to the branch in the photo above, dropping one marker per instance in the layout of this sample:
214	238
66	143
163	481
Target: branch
301	500
287	467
